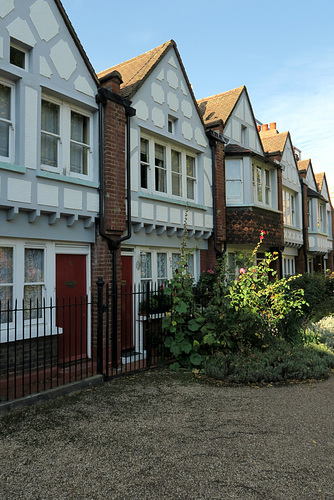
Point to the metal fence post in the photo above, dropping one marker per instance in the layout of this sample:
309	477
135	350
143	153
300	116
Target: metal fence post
148	327
100	284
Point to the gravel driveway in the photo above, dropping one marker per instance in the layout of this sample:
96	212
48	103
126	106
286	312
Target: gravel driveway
160	435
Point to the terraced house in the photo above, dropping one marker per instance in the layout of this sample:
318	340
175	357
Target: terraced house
253	179
170	175
48	169
279	147
318	217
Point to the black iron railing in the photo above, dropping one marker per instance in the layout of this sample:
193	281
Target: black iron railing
46	345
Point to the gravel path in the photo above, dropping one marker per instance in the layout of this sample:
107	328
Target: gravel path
160	435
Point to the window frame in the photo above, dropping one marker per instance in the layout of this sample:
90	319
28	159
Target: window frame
25	52
261	187
65	139
153	169
11	122
231	179
289	208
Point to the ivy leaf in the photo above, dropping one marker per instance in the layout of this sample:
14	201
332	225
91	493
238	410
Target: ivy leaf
175	366
196	359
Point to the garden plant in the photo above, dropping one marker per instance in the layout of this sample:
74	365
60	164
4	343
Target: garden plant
252	328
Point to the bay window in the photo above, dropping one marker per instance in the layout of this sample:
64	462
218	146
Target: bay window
6	122
65	139
173	172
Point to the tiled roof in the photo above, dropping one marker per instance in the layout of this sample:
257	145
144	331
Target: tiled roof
219	106
303	164
275	142
235	148
319	179
135	71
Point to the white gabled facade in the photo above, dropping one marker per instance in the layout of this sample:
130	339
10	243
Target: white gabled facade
171	175
48	149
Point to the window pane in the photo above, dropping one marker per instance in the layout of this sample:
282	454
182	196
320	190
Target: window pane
4	102
160	169
233	189
6	300
4	139
190	166
191	267
79	159
32	301
6	265
176	184
175	260
146	265
79	128
162	265
233	170
159	156
17	57
34	265
176	161
50	117
190	188
144	165
259	184
49	150
144	150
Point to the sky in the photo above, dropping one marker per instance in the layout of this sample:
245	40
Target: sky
282	50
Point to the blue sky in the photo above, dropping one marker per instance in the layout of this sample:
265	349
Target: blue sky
283	51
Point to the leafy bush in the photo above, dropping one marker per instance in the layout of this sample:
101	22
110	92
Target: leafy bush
322	332
318	293
278	362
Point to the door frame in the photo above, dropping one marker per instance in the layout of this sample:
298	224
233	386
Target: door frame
68	249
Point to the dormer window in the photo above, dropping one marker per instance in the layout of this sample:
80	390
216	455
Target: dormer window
18	56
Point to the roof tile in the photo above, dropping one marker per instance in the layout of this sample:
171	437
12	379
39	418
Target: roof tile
219	106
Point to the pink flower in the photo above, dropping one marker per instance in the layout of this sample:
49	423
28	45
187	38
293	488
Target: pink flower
211	271
242	270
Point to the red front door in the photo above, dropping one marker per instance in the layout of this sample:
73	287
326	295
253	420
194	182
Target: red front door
71	314
127	305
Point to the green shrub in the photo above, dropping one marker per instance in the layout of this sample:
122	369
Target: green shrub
322	332
318	293
276	363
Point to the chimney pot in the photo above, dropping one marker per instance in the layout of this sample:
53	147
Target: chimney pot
259	128
273	126
265	127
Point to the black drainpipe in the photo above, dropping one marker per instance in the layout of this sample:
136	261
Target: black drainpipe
213	139
113	244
